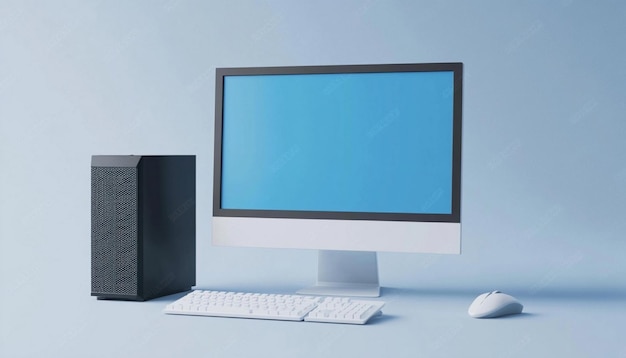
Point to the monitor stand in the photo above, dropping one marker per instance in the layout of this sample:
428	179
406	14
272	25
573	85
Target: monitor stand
345	273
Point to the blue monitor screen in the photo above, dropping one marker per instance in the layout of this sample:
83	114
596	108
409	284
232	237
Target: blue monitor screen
338	142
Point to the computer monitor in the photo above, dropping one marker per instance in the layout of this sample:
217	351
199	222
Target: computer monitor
350	160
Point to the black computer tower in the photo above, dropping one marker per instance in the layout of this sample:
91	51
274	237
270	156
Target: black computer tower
143	226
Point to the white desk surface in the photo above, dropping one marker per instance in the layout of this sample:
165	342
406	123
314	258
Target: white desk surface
427	322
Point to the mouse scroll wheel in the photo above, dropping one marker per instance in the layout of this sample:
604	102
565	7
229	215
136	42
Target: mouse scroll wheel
489	294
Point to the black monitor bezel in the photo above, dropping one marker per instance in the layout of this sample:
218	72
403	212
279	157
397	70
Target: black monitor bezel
453	217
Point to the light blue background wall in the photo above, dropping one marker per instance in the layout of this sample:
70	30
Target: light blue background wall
544	167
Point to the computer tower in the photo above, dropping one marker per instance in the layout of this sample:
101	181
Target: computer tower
143	226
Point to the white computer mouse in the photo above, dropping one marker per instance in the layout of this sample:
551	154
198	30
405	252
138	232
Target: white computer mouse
494	304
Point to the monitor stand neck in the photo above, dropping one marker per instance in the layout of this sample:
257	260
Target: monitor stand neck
346	273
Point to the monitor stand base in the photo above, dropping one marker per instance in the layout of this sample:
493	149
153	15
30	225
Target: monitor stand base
346	273
352	290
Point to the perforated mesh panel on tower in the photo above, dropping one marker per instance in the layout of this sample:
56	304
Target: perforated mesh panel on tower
114	230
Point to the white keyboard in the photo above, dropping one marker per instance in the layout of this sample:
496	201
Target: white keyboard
275	306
